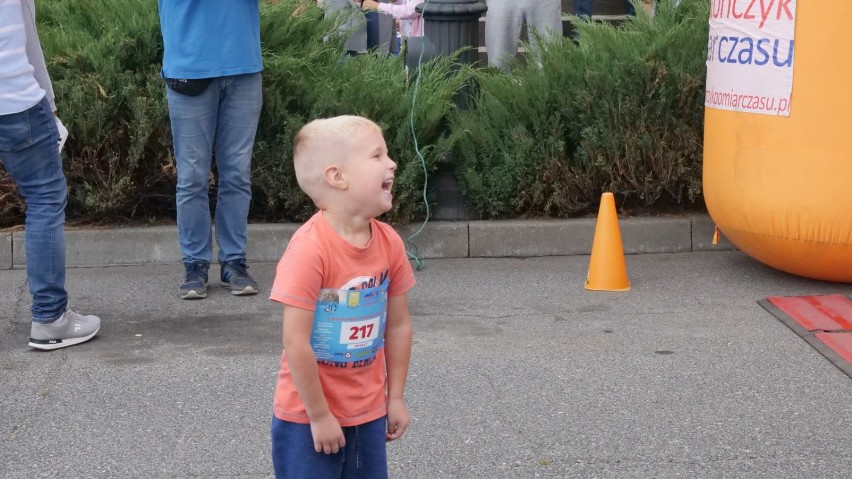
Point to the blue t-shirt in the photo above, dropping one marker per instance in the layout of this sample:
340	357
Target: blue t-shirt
210	38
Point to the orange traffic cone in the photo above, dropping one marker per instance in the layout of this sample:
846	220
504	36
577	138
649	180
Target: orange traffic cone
607	269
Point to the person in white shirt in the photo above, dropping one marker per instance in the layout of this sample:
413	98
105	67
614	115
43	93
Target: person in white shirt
29	151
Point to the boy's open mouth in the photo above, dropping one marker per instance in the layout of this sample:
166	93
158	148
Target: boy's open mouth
387	184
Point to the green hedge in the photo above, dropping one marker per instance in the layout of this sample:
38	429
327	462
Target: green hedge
620	110
102	57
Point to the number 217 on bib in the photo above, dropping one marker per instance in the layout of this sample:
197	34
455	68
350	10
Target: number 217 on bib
359	331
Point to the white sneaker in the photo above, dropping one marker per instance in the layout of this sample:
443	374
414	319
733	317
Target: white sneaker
71	328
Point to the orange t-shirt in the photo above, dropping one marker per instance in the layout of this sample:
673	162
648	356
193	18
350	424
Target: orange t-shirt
318	258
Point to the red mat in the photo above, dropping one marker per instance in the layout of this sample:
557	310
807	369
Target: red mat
825	322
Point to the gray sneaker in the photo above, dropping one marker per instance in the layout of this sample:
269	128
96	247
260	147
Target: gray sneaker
194	284
234	276
71	328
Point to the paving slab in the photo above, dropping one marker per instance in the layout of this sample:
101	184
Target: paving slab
527	238
267	242
435	239
656	235
112	246
159	244
5	250
703	228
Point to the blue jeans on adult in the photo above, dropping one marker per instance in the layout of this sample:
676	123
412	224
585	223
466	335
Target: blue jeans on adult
223	117
584	8
29	150
363	457
373	37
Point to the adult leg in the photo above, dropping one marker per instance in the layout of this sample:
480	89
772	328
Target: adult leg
503	31
584	8
545	17
373	35
387	33
239	111
193	120
29	150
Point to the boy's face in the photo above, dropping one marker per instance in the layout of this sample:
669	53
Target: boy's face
369	173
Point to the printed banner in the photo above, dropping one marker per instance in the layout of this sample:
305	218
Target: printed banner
750	56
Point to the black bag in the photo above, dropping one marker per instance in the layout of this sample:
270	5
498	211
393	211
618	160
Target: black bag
189	87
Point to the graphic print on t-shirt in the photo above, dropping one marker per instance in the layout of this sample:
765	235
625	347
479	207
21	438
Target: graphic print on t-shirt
349	323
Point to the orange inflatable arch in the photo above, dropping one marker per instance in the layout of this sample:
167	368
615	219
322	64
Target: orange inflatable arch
780	188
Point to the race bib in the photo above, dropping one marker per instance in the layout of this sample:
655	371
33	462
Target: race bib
349	325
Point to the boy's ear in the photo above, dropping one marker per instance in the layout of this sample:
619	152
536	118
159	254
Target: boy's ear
334	177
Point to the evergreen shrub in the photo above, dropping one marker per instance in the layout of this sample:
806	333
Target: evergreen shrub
620	109
104	59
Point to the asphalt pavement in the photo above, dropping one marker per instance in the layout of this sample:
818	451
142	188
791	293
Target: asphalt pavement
517	372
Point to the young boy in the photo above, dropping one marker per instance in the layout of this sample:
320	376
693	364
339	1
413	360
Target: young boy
343	280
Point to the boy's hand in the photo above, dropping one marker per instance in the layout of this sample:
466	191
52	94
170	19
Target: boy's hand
398	419
327	434
370	5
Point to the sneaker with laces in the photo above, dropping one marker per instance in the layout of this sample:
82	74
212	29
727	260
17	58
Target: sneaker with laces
69	329
194	285
235	276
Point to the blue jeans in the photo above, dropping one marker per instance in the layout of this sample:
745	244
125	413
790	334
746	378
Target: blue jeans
584	8
29	150
363	457
224	116
373	39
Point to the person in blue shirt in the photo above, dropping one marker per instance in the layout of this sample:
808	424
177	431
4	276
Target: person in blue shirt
212	70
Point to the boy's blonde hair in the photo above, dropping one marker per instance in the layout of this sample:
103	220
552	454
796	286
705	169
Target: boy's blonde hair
322	143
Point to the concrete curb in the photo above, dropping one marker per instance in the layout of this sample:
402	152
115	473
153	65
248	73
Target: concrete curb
5	250
438	239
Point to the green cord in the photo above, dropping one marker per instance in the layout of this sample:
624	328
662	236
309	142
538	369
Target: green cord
419	264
